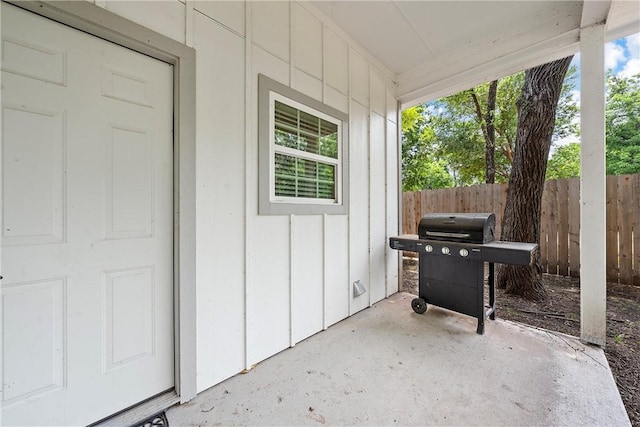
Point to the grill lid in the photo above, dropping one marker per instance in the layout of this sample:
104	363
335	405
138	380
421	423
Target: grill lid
458	227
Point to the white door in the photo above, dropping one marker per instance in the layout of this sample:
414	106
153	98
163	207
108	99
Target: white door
87	234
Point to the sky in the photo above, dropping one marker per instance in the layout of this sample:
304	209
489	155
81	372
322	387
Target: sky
622	57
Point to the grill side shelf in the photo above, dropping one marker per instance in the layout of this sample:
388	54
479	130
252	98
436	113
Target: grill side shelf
407	242
516	253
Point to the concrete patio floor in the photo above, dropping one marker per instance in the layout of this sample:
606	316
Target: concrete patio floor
389	366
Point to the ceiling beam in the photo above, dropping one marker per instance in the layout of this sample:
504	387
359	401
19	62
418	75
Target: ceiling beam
594	12
417	87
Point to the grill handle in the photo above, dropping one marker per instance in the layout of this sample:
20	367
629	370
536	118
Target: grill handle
449	235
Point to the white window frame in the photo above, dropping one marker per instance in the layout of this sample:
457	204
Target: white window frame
271	91
299	154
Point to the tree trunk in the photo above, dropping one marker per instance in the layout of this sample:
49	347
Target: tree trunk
488	127
521	221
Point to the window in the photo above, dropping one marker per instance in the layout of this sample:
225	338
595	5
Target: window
302	153
305	150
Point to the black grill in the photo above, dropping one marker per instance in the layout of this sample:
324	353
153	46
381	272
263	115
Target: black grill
453	249
468	228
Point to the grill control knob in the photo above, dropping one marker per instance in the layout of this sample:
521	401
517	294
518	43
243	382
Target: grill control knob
445	250
428	248
464	252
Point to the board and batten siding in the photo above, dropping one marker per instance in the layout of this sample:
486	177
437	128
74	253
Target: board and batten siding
264	283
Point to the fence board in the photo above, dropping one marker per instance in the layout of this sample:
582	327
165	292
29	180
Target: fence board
560	221
635	224
469	194
502	197
574	226
552	226
433	202
412	212
488	202
495	195
473	194
453	200
406	206
447	200
612	229
463	199
418	211
625	238
563	227
409	209
544	221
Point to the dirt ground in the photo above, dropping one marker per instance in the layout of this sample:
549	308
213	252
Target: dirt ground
561	312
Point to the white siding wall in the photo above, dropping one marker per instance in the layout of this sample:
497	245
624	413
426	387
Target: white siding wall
265	283
359	203
220	163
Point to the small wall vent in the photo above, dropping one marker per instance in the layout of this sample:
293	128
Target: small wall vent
358	288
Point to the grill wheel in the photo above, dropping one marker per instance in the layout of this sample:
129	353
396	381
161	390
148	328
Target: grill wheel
419	305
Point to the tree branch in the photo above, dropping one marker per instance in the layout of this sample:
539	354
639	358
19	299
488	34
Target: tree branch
490	156
479	114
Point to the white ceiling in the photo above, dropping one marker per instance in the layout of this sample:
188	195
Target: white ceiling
435	48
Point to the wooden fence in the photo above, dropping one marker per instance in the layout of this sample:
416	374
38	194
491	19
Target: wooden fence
560	222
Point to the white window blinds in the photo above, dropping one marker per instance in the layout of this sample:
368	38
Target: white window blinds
306	159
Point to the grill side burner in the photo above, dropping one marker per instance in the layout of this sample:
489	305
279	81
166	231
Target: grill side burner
451	271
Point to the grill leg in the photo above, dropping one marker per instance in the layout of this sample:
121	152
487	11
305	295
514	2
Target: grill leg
492	291
492	300
479	277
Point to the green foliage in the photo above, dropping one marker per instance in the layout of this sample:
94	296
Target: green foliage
426	176
420	168
623	125
564	162
568	109
460	145
443	143
449	132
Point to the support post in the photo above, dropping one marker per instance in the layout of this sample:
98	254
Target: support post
593	285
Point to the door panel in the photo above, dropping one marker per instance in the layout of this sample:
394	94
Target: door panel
87	224
33	146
